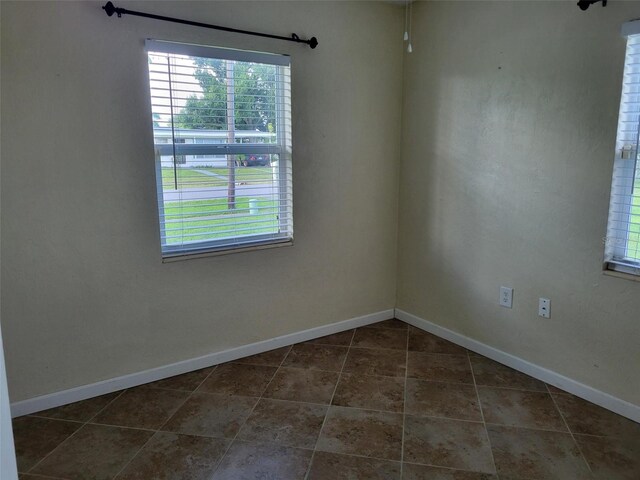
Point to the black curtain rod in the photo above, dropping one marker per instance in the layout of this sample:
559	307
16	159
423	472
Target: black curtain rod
110	8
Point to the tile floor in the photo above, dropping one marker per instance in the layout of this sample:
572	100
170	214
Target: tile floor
386	401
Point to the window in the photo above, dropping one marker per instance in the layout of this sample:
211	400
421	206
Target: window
222	138
622	251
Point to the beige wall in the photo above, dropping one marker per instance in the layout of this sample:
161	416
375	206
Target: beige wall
510	114
509	124
85	296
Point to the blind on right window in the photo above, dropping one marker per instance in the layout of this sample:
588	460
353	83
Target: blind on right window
622	245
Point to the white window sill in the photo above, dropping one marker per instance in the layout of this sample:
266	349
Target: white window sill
624	276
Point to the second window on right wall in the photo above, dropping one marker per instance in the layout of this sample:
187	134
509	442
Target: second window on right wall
622	246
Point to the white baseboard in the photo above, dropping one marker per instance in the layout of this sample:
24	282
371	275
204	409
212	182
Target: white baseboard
581	390
83	392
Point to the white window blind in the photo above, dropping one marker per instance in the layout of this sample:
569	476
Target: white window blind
222	140
622	251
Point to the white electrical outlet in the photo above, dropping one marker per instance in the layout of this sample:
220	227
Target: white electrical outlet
506	297
544	307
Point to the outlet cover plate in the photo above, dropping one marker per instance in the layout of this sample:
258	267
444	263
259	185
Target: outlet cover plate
544	308
506	297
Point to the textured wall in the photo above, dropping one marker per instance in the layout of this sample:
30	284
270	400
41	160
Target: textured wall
85	296
510	115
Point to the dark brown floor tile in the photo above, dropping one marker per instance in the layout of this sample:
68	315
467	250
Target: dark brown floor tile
35	438
392	323
494	374
518	408
247	461
187	381
142	407
438	399
362	432
211	415
439	368
345	467
423	472
342	339
394	339
447	443
82	411
238	379
271	358
611	458
536	454
586	418
317	357
28	476
553	389
95	452
302	385
367	361
421	341
284	423
169	456
370	392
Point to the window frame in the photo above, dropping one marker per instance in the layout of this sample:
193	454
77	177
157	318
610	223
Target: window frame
282	148
623	186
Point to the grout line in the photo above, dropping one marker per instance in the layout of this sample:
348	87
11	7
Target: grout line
569	429
251	412
165	422
404	404
512	388
107	405
148	385
135	455
462	470
436	417
31	415
56	448
84	424
326	415
338	371
535	429
424	352
122	427
348	406
613	437
380	459
486	431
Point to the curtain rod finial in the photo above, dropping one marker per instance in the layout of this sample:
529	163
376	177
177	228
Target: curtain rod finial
313	42
109	8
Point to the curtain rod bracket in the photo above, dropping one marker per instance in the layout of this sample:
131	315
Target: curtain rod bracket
110	9
584	4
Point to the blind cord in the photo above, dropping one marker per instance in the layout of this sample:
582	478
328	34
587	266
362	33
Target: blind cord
409	47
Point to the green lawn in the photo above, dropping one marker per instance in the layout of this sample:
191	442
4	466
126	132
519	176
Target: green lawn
192	178
247	174
210	219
